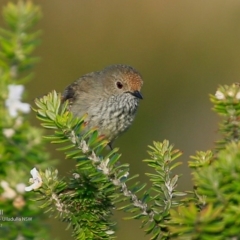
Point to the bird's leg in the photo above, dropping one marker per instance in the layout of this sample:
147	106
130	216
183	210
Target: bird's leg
110	145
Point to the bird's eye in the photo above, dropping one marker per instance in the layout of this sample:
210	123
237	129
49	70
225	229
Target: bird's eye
119	85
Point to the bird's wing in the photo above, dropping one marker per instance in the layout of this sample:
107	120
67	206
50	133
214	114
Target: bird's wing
69	92
81	93
80	86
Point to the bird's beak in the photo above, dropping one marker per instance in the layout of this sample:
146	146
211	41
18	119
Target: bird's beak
137	94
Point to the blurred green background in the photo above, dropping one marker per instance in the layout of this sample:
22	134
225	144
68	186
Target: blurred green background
183	49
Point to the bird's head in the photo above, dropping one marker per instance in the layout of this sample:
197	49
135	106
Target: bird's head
123	80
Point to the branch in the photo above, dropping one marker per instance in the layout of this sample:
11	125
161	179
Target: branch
105	174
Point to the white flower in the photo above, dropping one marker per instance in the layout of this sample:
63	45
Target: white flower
13	102
230	93
36	180
238	96
20	237
8	193
8	132
18	122
109	232
76	175
219	95
20	187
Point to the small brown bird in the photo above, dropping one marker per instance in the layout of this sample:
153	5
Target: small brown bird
110	98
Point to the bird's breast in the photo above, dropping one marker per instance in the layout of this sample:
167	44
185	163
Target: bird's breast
113	116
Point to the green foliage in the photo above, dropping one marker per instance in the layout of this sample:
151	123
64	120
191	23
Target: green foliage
214	214
100	181
18	43
162	157
201	159
218	218
21	145
189	223
226	104
86	198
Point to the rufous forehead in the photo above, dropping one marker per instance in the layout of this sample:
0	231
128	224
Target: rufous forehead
135	81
